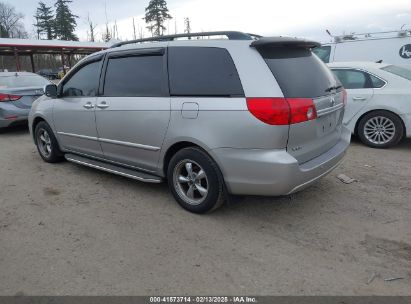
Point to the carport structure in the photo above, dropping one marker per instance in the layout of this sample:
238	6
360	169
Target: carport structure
65	49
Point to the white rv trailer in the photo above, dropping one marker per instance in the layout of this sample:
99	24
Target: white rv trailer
389	47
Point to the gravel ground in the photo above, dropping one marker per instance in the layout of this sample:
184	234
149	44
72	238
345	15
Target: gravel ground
71	230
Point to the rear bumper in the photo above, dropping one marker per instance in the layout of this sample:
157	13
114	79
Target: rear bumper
275	172
4	123
406	118
10	114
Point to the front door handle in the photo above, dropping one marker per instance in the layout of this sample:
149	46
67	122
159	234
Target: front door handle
103	105
359	98
88	106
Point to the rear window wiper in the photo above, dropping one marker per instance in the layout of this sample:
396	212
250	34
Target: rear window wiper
334	88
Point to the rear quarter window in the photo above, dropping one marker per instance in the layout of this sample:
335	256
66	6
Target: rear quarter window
299	72
203	71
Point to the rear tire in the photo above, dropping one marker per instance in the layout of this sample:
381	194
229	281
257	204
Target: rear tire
47	144
195	181
380	129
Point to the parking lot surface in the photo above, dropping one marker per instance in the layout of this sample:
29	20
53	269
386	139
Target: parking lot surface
71	230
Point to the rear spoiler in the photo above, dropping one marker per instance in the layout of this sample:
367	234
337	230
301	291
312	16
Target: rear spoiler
274	42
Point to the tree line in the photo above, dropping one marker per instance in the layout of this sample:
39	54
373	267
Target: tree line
57	21
56	24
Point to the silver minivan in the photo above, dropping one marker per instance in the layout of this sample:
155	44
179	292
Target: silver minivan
246	115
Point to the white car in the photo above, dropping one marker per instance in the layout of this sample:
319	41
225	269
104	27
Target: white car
379	101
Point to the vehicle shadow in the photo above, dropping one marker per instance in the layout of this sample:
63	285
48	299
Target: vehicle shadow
21	129
404	144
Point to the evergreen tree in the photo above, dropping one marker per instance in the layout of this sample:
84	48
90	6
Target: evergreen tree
106	35
187	25
44	21
156	15
65	21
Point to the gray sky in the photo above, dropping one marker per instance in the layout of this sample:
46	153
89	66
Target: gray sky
301	18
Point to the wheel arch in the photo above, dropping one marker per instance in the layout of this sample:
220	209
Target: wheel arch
36	121
174	148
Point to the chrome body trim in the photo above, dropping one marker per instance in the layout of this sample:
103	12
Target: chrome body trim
330	110
77	136
129	144
114	142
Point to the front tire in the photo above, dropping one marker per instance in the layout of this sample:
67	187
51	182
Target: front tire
195	181
47	144
380	129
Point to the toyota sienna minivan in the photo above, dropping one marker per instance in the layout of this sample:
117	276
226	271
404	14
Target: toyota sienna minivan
230	113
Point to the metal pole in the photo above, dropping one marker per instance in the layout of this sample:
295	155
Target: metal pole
17	59
33	68
69	60
63	62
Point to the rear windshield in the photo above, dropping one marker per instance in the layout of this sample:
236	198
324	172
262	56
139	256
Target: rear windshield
299	72
22	81
399	71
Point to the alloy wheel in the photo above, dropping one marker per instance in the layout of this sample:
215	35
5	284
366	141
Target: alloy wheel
44	142
190	182
379	130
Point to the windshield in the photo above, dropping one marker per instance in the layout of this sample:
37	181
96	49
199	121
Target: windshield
399	71
21	81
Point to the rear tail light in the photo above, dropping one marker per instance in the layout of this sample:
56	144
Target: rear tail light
272	111
8	97
302	109
282	111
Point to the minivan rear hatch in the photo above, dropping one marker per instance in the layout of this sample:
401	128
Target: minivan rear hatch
302	75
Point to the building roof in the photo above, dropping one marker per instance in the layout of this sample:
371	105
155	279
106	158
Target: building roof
8	46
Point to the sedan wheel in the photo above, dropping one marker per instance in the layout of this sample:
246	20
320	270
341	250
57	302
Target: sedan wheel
380	129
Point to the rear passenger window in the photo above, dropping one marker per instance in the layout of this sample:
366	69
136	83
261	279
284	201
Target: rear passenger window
201	71
352	79
355	79
135	76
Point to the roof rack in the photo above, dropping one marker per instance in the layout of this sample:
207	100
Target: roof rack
231	35
372	35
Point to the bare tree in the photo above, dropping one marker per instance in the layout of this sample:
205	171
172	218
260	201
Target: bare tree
107	36
134	30
115	30
92	27
10	22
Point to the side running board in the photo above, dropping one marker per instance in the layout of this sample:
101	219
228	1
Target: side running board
136	175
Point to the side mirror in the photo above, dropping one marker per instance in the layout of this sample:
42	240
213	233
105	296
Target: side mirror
50	90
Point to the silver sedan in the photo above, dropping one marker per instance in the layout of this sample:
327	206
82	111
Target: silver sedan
18	90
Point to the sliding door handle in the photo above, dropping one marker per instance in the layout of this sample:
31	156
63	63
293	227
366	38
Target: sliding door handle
103	105
88	106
